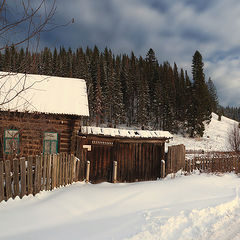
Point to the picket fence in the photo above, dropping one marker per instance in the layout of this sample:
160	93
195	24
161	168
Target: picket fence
214	163
33	174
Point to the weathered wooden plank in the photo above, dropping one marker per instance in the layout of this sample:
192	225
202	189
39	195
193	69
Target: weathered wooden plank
77	170
30	175
154	161
130	162
23	176
2	195
64	169
37	174
41	172
60	170
44	171
15	178
70	169
48	171
54	171
8	181
74	169
57	171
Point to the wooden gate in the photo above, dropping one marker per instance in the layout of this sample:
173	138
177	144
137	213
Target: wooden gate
137	160
175	158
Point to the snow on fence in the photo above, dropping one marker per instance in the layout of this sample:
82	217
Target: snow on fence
30	175
214	163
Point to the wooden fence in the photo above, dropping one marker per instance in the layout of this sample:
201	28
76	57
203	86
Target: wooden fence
175	158
22	176
215	163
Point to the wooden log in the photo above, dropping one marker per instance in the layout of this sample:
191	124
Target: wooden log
162	169
15	178
8	181
23	177
114	172
87	171
30	175
2	195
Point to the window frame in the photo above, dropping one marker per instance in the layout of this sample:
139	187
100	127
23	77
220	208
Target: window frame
16	138
50	143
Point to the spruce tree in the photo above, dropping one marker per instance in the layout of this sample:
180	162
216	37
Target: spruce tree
201	101
213	95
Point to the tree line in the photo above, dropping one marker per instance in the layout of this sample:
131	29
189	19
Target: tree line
231	112
129	90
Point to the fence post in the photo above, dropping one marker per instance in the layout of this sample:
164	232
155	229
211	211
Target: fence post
114	172
23	177
162	169
87	171
2	197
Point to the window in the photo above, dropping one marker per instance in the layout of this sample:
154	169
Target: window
11	141
50	142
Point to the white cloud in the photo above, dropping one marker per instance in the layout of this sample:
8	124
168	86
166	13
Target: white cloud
174	32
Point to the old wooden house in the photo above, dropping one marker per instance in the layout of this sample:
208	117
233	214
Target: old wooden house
138	153
40	114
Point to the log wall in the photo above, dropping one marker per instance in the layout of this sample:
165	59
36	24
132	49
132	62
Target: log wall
31	128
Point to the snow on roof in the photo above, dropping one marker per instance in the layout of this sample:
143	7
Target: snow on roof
125	132
45	94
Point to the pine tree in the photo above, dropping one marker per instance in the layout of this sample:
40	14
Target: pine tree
201	100
213	95
98	97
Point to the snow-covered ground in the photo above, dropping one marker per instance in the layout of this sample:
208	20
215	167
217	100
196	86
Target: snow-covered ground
187	207
215	136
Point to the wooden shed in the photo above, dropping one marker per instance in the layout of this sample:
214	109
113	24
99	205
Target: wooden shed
44	117
138	153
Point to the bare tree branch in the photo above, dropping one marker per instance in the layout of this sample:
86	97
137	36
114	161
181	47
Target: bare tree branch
234	138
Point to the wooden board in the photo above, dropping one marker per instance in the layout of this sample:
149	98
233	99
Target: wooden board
8	180
2	195
30	175
23	177
15	178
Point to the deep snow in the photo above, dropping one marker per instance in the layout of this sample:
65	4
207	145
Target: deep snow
187	207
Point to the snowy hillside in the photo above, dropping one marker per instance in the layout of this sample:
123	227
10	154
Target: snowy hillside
215	136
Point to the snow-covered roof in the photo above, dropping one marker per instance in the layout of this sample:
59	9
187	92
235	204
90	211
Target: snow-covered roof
114	132
44	94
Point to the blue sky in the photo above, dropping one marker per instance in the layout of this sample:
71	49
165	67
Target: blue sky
175	29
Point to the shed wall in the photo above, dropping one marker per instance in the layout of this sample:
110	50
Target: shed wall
137	159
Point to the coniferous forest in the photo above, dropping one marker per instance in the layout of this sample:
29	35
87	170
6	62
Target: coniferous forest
130	90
